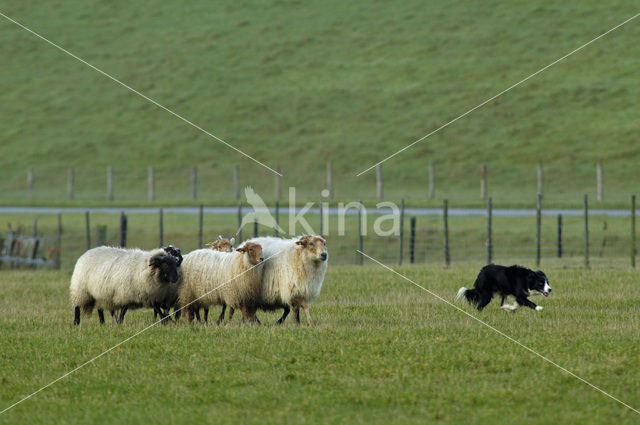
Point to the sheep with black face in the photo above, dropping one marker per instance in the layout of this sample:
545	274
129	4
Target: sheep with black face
113	279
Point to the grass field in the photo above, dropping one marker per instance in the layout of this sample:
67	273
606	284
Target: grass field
383	351
301	84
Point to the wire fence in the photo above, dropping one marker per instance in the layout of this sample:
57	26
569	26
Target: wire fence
221	182
444	236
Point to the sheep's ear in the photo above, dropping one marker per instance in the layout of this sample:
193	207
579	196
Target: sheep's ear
156	261
232	241
302	242
240	250
219	237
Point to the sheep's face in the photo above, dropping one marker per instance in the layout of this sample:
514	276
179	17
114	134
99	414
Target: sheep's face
165	267
223	245
253	251
314	247
175	252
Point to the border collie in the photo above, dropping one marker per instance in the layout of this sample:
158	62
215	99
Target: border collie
513	280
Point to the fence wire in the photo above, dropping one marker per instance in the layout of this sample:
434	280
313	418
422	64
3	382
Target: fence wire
513	238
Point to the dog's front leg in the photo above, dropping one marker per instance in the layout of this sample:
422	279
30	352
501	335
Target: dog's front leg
525	301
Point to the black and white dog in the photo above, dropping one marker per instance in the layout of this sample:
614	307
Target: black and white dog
513	280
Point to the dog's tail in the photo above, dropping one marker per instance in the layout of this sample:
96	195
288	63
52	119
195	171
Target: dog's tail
471	295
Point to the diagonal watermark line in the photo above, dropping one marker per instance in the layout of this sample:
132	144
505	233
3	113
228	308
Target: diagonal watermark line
498	331
175	114
130	338
497	95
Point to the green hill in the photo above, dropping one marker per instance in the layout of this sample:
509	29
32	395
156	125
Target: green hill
300	84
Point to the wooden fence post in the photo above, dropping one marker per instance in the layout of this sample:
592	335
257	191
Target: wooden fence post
559	235
600	190
30	183
255	228
633	231
540	180
278	191
236	181
432	182
483	183
194	182
58	256
401	232
412	241
110	183
87	229
161	226
538	229
123	229
200	226
275	230
151	184
101	234
379	189
359	258
321	218
586	231
489	231
330	180
70	182
445	214
239	221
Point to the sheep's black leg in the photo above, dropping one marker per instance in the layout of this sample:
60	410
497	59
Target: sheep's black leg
76	316
206	314
197	313
164	318
101	316
285	313
122	312
297	311
502	300
221	318
254	318
177	312
113	316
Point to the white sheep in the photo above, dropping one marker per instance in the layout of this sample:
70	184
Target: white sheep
116	278
221	278
223	245
293	273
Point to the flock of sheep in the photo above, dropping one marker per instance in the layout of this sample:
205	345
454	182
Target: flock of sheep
264	273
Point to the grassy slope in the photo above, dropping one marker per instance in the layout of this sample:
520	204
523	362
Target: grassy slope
299	84
383	351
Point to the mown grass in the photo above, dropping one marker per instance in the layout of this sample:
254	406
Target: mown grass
382	351
301	84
